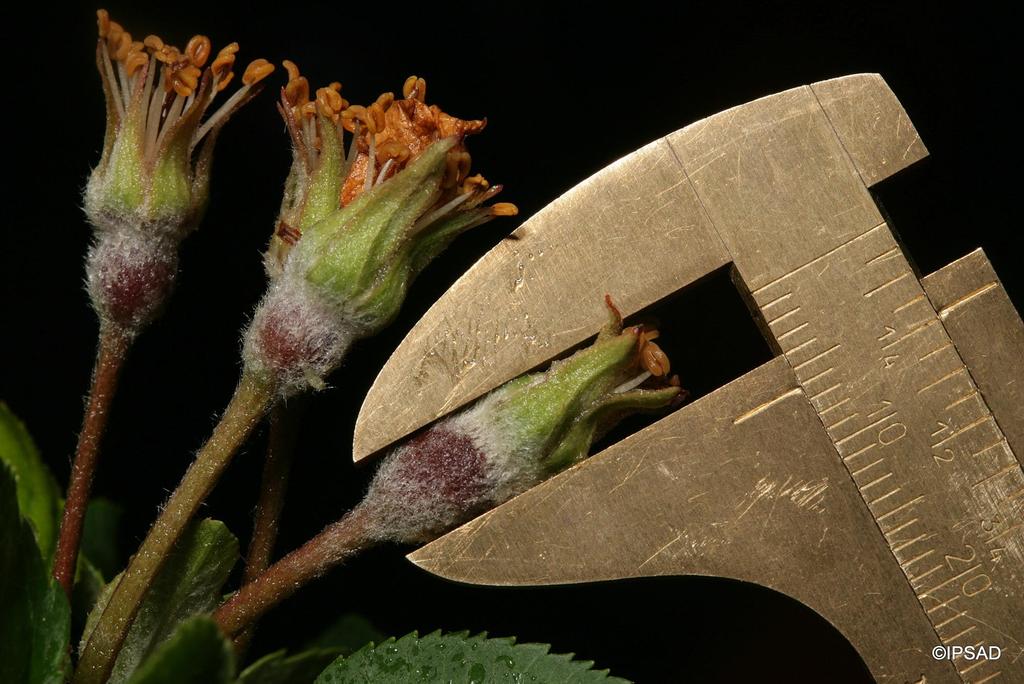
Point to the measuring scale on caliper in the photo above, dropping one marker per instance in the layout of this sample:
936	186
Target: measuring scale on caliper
866	471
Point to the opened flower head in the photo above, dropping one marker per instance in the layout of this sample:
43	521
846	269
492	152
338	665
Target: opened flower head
152	182
386	137
517	436
357	225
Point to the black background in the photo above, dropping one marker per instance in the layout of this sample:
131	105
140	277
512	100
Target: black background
567	90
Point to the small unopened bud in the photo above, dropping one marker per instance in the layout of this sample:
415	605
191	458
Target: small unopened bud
511	439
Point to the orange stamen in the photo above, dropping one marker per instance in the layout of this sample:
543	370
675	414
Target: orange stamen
652	358
103	22
198	51
257	70
415	88
504	209
225	59
136	60
329	103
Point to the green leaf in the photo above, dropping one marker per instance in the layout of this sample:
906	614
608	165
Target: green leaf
35	620
89	585
459	658
345	635
350	632
99	560
38	495
189	583
101	536
279	668
195	652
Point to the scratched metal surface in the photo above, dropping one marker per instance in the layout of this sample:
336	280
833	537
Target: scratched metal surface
637	230
779	188
746	501
989	335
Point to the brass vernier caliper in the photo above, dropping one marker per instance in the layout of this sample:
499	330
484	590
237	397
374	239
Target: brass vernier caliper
870	471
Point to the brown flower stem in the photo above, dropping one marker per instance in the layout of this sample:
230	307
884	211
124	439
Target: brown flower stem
321	553
251	400
284	424
110	355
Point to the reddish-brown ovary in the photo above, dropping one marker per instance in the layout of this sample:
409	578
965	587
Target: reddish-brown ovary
134	291
447	462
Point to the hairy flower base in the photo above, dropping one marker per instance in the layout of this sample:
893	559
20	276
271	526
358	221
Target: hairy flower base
510	440
445	476
295	339
130	275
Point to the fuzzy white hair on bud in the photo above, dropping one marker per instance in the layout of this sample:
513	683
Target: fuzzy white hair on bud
456	469
295	338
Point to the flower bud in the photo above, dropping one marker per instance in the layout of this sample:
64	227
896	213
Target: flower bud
514	437
355	230
151	185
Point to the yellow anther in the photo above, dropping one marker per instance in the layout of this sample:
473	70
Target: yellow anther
123	47
329	103
224	61
103	22
114	32
307	109
136	60
183	78
395	150
415	88
458	163
454	163
385	100
167	54
351	116
224	80
475	183
652	358
198	50
292	68
334	85
154	43
178	87
504	209
296	91
190	76
375	117
257	70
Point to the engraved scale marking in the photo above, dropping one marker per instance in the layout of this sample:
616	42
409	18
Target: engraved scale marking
910	403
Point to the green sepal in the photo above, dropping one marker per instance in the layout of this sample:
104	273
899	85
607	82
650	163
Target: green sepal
124	178
537	414
577	441
359	255
170	185
323	190
436	238
113	117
